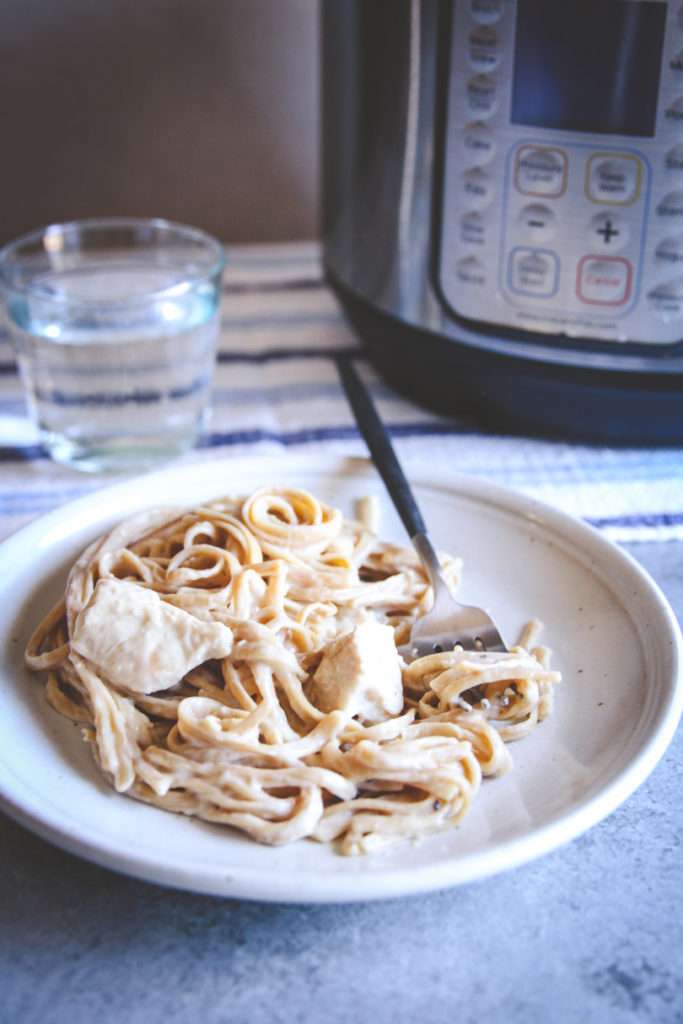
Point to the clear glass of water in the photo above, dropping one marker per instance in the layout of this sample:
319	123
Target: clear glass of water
114	323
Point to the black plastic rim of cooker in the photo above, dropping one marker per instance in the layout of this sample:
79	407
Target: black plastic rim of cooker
514	393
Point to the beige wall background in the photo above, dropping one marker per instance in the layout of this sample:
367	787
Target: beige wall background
203	111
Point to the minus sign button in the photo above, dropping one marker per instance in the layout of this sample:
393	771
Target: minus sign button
537	222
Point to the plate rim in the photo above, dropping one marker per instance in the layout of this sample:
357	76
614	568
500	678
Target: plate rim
257	884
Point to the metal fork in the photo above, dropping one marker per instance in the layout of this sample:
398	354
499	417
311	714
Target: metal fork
448	624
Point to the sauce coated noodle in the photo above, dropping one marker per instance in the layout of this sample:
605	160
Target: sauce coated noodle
239	739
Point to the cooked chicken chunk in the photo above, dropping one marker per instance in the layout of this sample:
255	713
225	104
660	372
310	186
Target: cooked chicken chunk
360	673
141	642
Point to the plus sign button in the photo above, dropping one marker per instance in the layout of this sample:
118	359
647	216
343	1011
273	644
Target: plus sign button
608	232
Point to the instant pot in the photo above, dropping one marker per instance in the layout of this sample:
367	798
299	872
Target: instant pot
503	206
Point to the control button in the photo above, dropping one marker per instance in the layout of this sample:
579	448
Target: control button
604	280
613	180
479	143
484	51
472	229
673	161
478	188
669	252
471	271
608	231
537	222
667	299
486	12
675	111
540	171
671	206
533	272
481	96
676	64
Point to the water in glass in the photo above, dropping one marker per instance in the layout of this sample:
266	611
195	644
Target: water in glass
123	382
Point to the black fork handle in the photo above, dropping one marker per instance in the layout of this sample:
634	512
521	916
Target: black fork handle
378	441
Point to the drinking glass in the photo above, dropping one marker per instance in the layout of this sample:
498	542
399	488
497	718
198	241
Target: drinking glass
114	324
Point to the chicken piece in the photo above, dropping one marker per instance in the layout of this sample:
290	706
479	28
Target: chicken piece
360	674
141	642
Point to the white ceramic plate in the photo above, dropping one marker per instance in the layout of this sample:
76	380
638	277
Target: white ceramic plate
614	638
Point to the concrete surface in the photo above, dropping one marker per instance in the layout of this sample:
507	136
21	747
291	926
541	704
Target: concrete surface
592	933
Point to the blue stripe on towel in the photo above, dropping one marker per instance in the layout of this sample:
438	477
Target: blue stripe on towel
22	453
307	435
272	355
299	284
35	502
312	435
650	520
282	320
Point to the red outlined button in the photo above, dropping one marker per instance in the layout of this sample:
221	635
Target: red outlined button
604	280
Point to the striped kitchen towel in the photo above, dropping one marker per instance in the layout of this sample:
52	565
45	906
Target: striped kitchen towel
276	389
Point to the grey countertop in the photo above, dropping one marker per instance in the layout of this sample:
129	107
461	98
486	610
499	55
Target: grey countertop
590	933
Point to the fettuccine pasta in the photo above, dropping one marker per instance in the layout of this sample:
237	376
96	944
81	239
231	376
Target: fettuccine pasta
238	662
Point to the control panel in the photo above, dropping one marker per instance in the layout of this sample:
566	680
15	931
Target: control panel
563	196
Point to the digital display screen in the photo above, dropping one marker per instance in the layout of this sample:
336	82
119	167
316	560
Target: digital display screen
588	65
